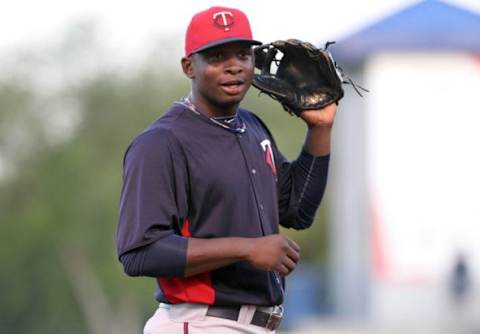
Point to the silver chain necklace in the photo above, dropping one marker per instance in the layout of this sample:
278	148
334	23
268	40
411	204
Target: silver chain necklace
189	105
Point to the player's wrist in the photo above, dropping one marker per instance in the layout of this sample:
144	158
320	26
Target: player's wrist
247	249
320	126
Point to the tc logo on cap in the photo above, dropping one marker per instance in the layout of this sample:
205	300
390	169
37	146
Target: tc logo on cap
223	20
216	26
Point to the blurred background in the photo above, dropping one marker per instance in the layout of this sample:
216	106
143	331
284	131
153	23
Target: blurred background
394	248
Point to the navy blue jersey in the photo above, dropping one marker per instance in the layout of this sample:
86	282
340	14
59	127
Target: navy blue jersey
186	176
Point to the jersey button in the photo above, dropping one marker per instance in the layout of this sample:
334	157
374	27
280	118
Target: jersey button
254	171
261	206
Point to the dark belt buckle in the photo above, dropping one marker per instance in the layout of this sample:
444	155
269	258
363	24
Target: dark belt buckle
275	318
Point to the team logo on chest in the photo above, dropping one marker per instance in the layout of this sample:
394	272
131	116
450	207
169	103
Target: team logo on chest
269	159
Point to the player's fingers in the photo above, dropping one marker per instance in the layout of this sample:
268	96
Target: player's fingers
293	244
293	254
289	263
283	270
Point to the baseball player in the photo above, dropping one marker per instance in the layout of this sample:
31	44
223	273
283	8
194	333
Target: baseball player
205	189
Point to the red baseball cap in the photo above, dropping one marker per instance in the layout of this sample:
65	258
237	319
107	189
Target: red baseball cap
216	26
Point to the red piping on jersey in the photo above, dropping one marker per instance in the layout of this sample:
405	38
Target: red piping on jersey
269	160
193	289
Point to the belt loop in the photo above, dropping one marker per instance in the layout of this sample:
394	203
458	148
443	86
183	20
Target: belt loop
246	314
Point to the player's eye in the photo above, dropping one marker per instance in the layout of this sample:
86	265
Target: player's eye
245	53
214	57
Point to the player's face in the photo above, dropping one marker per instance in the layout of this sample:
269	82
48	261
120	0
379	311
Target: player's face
221	76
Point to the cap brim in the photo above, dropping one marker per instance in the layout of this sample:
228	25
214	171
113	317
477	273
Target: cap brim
226	41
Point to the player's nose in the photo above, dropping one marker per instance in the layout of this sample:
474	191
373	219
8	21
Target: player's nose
233	65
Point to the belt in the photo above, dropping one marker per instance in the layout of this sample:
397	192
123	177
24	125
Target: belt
267	317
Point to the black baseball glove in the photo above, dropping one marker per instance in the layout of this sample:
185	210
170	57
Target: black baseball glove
306	77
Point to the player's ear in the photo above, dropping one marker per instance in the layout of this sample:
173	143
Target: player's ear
187	66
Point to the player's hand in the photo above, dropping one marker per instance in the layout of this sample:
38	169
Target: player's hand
274	253
321	117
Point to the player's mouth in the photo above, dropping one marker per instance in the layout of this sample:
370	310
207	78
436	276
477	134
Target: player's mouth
233	87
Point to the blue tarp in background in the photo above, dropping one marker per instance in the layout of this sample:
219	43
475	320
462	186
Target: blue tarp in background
428	25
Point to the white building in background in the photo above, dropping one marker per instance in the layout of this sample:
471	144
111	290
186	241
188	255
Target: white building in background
405	174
